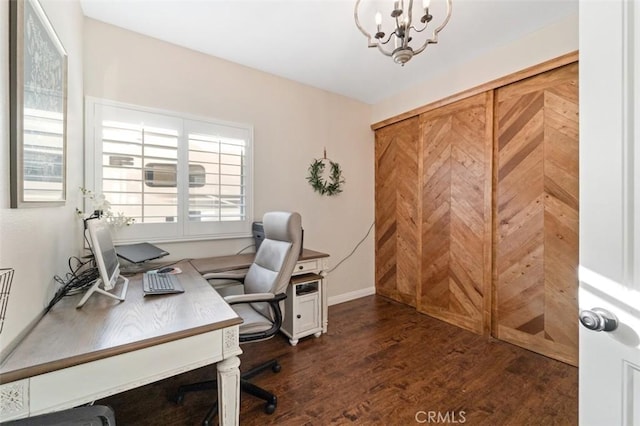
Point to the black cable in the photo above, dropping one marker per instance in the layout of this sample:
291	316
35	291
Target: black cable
249	246
80	276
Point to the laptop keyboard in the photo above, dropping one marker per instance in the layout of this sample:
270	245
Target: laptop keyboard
155	283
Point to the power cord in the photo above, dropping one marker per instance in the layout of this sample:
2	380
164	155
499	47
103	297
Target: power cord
249	246
354	249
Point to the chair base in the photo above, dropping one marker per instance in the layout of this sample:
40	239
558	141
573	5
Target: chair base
245	386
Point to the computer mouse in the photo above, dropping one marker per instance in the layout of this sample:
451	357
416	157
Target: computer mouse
166	270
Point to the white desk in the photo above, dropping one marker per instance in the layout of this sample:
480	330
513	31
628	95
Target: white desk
74	356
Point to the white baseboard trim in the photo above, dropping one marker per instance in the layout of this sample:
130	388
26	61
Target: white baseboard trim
341	298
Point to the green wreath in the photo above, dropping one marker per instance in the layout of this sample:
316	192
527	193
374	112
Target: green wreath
319	184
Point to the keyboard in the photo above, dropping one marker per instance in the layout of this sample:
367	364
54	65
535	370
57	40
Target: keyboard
155	283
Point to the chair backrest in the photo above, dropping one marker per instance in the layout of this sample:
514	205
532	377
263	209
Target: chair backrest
277	256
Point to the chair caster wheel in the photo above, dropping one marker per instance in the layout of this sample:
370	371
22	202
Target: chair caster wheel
269	408
276	368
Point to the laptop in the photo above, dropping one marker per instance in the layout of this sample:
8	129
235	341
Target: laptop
139	253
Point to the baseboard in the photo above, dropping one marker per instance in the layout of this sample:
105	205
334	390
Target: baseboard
341	298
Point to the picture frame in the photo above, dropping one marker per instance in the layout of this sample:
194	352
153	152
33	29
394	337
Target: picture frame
38	108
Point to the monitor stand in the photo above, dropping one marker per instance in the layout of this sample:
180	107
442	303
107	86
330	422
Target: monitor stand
95	288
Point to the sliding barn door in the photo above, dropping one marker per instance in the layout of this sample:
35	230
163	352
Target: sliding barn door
396	197
456	213
536	214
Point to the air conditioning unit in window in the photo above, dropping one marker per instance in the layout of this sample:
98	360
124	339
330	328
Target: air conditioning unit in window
120	160
163	175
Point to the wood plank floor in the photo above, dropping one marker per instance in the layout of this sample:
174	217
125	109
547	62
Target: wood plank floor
381	363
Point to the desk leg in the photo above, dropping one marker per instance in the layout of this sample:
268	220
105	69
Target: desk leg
229	391
325	304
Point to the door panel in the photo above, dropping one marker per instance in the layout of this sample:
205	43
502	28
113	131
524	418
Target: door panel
396	197
456	213
610	210
536	213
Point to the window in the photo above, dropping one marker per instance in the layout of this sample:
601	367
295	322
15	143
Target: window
179	177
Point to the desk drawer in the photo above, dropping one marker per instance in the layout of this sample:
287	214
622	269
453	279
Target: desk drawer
107	376
306	266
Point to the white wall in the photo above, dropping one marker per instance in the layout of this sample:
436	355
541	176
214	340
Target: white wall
548	43
37	242
292	125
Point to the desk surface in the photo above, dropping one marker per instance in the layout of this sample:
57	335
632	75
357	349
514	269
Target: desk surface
241	261
105	327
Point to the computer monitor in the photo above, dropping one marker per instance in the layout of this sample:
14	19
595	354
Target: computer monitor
106	260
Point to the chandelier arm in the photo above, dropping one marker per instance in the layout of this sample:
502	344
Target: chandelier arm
446	20
384	52
370	43
388	39
362	30
420	30
434	37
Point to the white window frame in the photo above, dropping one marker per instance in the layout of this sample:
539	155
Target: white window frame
182	229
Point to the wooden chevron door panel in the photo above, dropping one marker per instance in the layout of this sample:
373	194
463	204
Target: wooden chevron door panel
396	211
456	213
536	214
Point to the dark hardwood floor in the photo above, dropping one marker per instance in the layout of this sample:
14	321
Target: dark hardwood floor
381	363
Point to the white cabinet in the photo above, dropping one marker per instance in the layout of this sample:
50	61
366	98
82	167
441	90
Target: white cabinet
303	307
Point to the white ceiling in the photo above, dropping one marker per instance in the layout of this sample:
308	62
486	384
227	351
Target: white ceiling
316	42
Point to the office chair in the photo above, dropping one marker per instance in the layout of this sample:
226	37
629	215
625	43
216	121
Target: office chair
260	305
92	415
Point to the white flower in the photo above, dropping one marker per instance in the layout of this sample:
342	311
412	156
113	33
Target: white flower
100	203
102	208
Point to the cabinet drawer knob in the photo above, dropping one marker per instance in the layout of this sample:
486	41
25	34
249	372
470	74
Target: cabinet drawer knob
301	267
299	316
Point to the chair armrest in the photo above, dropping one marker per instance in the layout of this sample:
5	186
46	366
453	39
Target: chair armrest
254	297
238	275
274	302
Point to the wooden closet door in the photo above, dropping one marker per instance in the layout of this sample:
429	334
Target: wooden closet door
536	220
456	213
396	211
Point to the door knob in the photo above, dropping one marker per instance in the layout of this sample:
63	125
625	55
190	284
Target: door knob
598	319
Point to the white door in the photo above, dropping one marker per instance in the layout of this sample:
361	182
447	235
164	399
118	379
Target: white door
610	209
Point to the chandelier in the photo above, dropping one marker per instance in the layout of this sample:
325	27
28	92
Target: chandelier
402	18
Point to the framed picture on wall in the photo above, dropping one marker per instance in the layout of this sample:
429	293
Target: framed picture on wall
38	108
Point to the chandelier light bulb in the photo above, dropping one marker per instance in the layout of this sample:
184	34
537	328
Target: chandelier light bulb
378	18
426	4
397	9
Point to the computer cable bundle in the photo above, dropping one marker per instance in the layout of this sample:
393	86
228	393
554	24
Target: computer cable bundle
80	276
